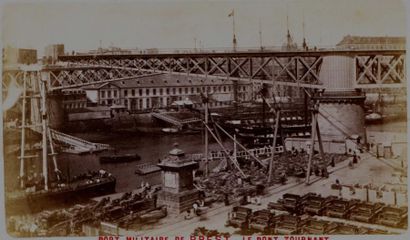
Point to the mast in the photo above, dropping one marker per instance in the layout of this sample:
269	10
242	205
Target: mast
304	44
263	114
44	128
275	134
289	40
23	131
234	148
260	34
206	137
234	42
287	28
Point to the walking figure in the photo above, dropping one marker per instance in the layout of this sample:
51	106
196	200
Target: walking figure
354	159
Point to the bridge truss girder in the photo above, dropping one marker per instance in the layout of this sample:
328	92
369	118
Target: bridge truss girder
373	68
380	71
293	71
80	76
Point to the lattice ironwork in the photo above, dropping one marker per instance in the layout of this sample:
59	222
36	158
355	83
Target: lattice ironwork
294	71
294	68
378	71
79	76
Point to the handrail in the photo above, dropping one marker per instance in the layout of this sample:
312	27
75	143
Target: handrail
77	142
221	154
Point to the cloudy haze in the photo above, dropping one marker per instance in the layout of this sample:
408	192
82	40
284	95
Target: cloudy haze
175	24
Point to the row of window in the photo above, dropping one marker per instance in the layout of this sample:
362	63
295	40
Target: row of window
75	105
168	91
152	103
114	93
374	46
74	92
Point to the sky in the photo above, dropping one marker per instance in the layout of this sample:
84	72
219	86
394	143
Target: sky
85	25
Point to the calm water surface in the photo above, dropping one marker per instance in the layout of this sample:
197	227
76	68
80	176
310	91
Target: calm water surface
151	148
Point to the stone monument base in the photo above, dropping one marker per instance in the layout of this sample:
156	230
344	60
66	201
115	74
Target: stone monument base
178	202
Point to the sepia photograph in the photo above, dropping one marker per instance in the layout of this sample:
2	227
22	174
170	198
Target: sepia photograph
204	120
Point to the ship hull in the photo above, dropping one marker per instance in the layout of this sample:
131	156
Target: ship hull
120	158
32	203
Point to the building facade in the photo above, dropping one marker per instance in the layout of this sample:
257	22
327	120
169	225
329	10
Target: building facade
368	43
162	90
51	52
74	99
13	55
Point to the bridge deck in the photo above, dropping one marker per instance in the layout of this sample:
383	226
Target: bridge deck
317	53
173	120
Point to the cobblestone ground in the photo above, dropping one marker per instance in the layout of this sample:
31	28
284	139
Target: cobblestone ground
378	172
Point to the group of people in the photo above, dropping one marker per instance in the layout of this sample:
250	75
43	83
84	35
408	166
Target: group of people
33	182
146	190
198	209
354	160
22	226
321	171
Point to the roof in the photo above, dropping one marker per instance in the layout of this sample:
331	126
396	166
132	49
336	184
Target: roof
98	108
117	106
170	80
182	102
176	152
371	40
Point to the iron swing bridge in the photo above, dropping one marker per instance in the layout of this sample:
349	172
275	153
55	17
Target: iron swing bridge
371	69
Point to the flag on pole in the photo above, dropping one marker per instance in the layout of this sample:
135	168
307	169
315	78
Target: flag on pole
232	13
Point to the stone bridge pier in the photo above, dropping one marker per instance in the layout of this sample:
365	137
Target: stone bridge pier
341	109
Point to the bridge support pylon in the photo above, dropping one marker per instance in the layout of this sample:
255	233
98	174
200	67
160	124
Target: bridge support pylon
341	110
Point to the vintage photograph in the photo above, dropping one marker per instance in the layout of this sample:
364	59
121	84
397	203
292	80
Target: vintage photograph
217	119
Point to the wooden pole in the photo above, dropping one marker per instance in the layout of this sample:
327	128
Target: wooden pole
53	154
23	130
235	163
206	139
319	138
235	156
312	146
240	145
273	147
44	130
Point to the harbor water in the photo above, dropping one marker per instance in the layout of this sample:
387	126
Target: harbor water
150	146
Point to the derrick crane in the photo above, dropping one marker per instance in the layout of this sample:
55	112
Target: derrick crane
276	111
205	101
315	130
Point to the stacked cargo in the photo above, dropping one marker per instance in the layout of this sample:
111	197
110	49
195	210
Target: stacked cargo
313	226
262	220
365	212
340	208
288	224
240	217
392	216
315	204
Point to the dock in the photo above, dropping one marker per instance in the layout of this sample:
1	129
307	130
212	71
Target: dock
144	169
164	116
217	215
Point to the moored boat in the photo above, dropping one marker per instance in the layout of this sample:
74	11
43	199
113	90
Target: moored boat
170	130
34	198
118	158
373	118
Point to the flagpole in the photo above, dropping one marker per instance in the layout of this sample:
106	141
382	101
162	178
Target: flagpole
233	30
